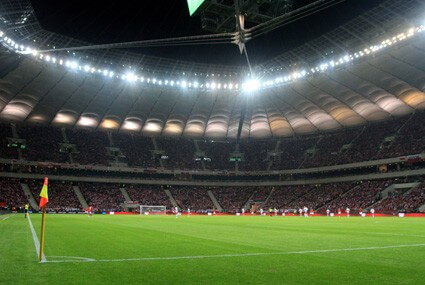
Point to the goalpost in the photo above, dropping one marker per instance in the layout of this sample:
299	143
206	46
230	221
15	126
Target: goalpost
152	210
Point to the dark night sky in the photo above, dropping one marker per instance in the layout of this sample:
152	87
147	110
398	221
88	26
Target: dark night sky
117	21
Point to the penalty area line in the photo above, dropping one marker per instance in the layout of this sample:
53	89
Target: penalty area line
36	242
238	255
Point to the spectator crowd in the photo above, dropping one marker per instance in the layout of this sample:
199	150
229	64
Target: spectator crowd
356	196
392	138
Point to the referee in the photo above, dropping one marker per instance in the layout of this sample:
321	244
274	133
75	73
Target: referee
26	210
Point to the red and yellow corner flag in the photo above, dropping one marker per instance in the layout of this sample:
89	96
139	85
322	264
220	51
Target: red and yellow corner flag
44	197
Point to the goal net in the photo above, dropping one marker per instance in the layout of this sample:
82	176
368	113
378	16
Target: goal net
152	210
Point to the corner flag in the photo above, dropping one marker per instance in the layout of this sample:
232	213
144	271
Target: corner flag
44	197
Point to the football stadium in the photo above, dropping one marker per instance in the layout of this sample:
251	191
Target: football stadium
212	142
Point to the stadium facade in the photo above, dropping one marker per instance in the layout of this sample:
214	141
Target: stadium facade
366	70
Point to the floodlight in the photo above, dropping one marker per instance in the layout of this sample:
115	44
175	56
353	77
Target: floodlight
130	76
251	85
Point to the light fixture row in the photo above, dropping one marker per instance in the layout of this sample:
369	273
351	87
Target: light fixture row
250	84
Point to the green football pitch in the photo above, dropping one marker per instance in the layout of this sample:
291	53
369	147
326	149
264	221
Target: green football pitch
213	250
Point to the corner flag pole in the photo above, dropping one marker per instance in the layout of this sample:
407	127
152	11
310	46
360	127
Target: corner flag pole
44	198
43	226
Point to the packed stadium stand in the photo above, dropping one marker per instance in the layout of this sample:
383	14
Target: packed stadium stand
136	149
148	195
389	139
194	198
11	194
103	197
62	196
320	195
232	199
401	201
359	197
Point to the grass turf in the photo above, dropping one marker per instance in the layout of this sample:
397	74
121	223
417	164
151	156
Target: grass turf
133	237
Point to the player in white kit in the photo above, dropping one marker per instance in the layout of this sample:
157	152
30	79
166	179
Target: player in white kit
305	210
261	211
348	212
243	211
372	211
188	212
327	212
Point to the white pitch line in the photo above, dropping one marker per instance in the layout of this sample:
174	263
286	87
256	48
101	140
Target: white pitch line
36	242
72	258
239	255
391	234
7	217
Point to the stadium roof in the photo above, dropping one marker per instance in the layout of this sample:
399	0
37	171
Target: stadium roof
320	95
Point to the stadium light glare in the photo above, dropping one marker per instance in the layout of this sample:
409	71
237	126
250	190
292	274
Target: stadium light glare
130	76
71	64
251	85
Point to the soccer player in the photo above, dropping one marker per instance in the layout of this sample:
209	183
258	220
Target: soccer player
300	211
261	211
90	211
275	212
327	212
176	211
270	212
372	211
26	210
243	211
361	212
305	210
339	212
348	212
